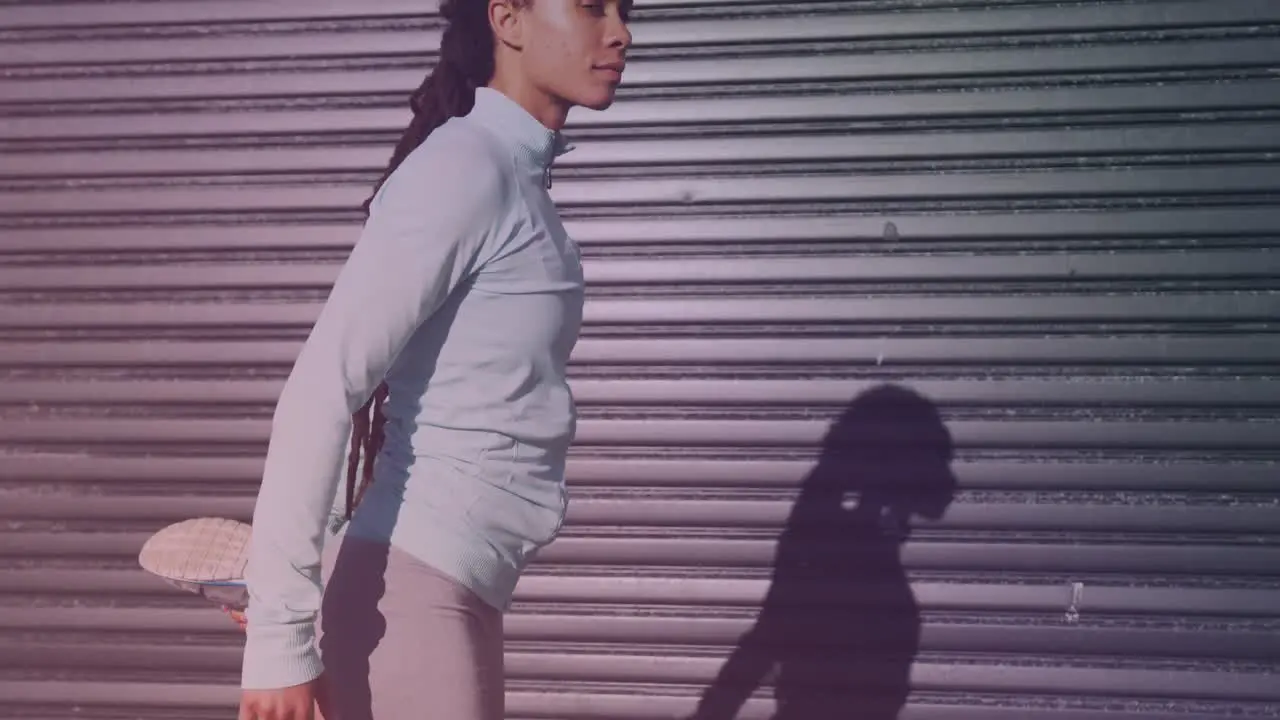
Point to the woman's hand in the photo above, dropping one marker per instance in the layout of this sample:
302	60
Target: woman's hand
291	703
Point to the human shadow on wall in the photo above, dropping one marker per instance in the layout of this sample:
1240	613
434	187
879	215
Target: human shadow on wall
839	627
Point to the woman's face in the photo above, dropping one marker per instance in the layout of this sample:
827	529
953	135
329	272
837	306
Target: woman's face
572	51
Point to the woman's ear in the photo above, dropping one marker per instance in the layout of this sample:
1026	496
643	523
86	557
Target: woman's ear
507	22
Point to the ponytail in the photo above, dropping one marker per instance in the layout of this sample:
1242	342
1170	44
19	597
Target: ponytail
466	63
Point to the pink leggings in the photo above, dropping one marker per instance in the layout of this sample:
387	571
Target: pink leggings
401	640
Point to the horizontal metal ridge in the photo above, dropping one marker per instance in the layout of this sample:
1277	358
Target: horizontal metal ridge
1232	54
960	596
625	555
130	694
833	266
791	311
888	232
639	515
1043	435
616	594
96	14
199	476
636	629
939	677
245	39
638	626
719	28
952	556
561	700
206	117
628	665
684	192
140	349
1122	392
1013	145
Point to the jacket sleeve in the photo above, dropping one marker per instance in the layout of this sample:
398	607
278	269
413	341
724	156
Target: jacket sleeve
433	224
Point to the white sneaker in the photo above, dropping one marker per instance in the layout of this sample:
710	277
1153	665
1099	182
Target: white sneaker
205	556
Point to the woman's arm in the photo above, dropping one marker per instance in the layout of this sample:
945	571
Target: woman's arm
430	227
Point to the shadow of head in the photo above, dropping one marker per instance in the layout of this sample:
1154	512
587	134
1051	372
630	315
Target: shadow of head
890	453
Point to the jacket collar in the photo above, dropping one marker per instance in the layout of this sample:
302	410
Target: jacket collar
532	142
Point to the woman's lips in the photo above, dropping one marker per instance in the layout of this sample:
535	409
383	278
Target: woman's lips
612	70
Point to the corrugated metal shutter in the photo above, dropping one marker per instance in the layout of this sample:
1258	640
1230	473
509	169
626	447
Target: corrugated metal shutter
1055	222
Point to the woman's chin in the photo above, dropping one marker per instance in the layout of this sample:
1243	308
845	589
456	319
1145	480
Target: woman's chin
599	98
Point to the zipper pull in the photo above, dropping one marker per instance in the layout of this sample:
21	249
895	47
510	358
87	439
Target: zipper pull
547	175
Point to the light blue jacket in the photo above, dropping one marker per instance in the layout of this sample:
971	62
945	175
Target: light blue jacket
465	293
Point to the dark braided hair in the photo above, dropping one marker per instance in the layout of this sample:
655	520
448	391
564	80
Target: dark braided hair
466	62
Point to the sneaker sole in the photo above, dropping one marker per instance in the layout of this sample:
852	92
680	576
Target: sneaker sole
205	556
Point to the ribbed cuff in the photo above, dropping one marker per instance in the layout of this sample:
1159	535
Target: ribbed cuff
280	656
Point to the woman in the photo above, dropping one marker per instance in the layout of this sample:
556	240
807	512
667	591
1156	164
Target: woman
452	320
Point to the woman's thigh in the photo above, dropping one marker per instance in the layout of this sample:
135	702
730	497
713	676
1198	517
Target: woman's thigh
400	639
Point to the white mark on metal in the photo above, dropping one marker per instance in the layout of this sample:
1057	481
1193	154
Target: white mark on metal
1073	610
849	501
